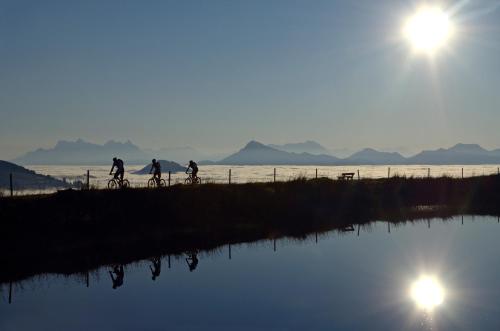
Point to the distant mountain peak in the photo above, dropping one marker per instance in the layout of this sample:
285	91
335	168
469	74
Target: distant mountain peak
372	156
368	150
467	148
255	145
256	153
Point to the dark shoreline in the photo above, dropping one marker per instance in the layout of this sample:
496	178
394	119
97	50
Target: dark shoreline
74	231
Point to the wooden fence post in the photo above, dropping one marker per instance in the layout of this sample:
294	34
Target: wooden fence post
274	176
358	175
11	185
88	179
229	176
428	172
169	173
389	172
316	173
462	173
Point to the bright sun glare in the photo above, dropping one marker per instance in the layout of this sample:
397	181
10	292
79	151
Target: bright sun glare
427	293
428	30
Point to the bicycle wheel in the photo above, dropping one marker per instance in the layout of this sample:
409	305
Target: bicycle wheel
112	184
125	183
188	180
151	183
163	183
198	180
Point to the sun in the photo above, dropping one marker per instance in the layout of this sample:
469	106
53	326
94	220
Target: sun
428	30
427	293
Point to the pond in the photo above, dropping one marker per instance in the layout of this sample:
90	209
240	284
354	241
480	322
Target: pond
424	275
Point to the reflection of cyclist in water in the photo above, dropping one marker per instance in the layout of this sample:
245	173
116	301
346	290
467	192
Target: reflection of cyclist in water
118	277
155	165
192	260
194	167
120	170
156	268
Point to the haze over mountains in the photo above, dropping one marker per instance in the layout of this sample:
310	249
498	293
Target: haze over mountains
309	146
80	152
84	153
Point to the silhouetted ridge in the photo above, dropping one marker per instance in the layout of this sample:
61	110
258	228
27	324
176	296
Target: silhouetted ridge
166	166
26	179
372	156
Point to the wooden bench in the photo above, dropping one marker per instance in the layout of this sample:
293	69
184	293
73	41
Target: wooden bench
347	228
346	176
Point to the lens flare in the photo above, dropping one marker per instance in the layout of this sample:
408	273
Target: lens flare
427	293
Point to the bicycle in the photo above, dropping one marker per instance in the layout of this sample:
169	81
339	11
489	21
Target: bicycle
153	182
192	180
115	183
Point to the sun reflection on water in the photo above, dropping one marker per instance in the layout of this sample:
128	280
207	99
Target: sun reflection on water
427	293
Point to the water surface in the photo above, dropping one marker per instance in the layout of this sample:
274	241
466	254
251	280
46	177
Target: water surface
341	282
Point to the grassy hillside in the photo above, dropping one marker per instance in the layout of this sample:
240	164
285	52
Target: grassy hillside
26	179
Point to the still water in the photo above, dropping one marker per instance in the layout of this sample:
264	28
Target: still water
342	281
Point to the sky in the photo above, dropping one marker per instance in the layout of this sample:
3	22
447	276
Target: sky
215	74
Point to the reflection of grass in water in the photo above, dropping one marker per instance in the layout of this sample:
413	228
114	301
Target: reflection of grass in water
75	230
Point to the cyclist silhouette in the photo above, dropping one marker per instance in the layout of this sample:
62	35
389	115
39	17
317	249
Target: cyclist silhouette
192	261
156	269
194	168
118	277
120	170
156	166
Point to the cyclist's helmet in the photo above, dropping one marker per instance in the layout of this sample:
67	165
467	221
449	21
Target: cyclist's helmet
190	161
114	159
154	161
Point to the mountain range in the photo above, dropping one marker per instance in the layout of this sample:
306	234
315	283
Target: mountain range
80	152
255	153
